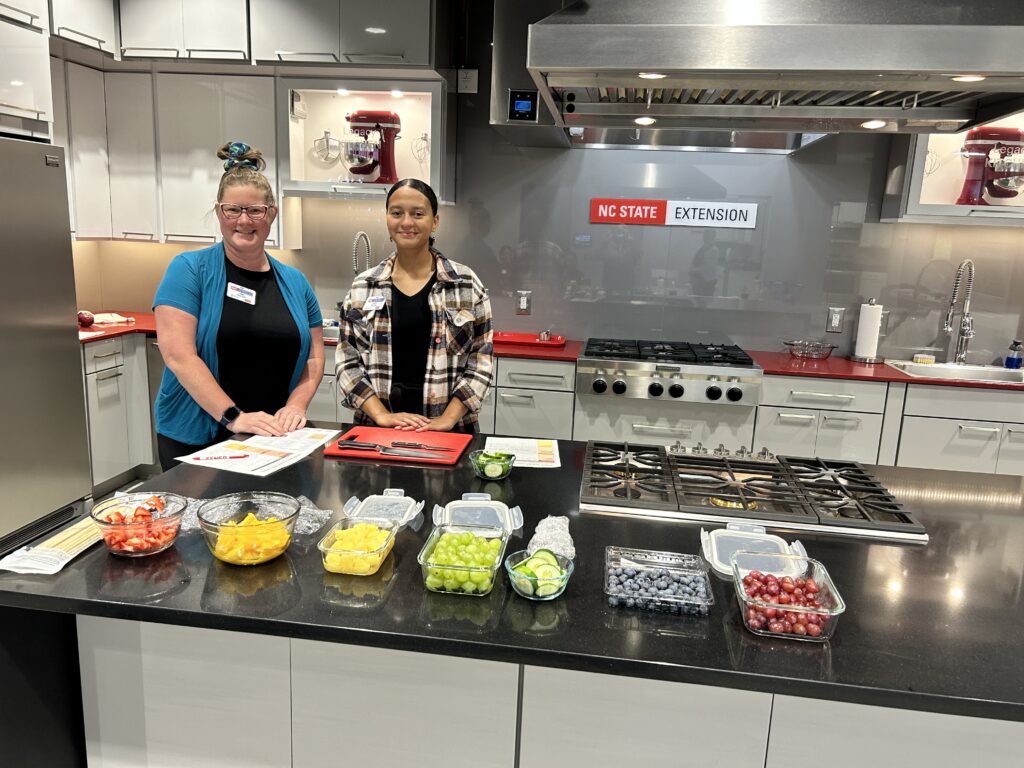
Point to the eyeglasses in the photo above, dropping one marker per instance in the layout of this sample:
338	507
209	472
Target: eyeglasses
255	212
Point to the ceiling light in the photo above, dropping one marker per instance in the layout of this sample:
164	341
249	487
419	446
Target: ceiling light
343	91
397	93
17	83
969	78
873	125
651	75
645	121
375	30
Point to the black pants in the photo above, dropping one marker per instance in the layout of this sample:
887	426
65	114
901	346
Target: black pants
169	449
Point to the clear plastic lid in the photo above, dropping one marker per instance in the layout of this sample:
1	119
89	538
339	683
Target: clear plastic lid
479	509
720	544
392	505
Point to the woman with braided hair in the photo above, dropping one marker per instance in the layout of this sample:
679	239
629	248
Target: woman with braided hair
241	333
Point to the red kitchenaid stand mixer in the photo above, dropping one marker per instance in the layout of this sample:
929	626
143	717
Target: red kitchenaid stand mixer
387	124
999	175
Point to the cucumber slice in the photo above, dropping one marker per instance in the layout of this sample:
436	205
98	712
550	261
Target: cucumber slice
493	470
547	555
546	589
524	585
548	572
525	570
534	563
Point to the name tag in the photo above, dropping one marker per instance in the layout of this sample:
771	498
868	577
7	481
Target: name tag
241	293
373	303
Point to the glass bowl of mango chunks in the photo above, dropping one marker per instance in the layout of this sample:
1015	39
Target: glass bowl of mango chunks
492	466
358	546
248	528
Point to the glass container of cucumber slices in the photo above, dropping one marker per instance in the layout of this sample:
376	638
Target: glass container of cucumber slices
540	576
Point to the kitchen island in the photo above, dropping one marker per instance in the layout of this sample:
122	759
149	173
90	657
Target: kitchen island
176	647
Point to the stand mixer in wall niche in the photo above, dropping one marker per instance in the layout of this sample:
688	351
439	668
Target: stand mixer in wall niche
995	165
367	156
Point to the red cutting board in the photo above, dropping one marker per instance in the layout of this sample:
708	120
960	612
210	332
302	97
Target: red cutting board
384	436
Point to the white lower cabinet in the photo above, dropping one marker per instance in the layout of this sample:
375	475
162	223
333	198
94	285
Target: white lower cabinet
586	720
164	695
485	417
1011	450
355	705
786	431
957	444
533	413
324	405
837	435
843	735
107	409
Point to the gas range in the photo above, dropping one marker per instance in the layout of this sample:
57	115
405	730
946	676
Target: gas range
833	497
714	372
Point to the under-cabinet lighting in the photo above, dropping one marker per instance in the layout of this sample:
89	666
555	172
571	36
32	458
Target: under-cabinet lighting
969	78
873	125
397	93
376	30
651	75
645	121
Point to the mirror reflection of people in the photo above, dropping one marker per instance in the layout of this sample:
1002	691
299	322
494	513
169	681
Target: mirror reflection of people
240	332
416	340
620	254
704	269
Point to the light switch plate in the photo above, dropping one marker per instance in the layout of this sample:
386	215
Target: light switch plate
834	321
524	302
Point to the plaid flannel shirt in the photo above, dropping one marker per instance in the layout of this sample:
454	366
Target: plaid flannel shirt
460	358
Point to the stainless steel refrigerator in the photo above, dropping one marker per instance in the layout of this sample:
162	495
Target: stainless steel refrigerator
44	444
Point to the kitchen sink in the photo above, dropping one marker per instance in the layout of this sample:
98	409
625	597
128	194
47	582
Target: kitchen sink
959	372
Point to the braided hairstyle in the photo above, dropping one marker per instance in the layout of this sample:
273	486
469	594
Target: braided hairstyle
243	167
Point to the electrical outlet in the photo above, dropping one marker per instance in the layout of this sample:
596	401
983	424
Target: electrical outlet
836	318
524	302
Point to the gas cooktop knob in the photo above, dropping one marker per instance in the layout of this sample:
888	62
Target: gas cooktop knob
713	393
619	387
676	390
735	394
599	386
655	389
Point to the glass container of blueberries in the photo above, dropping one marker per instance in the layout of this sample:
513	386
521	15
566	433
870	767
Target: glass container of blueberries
660	582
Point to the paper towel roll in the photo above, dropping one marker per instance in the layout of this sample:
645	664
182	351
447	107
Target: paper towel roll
868	327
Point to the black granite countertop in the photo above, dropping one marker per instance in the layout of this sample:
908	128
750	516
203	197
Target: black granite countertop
937	627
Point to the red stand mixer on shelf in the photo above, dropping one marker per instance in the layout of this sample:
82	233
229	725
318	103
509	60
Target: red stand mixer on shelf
995	165
382	158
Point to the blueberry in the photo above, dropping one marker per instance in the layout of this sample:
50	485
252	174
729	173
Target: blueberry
613	601
630	602
617	571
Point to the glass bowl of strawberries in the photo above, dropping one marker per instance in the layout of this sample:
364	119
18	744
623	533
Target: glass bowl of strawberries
139	524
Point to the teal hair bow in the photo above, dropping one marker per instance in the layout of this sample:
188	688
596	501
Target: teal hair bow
237	150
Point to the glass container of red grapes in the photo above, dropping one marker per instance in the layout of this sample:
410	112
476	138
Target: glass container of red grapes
785	595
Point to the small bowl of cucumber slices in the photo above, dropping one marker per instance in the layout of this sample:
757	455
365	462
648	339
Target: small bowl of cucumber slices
540	576
492	466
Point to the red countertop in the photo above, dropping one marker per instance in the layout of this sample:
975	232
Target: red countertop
145	322
568	353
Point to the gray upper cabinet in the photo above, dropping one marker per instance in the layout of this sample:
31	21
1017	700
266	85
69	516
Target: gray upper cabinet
191	29
89	22
215	30
32	13
296	30
385	32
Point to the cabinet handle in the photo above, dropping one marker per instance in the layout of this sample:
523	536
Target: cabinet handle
667	430
155	344
111	376
796	416
986	430
31	16
192	238
125	49
39	112
1010	432
281	54
363	58
510	396
86	35
108	354
518	375
190	51
827	395
147	235
843	419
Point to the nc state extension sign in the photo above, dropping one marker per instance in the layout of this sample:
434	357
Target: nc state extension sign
676	213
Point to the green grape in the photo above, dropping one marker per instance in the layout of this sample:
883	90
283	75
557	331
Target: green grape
485	585
434	573
478	577
465	538
434	582
462	577
468	587
451	585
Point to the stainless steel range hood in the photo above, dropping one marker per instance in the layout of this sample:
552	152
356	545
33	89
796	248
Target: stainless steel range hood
803	66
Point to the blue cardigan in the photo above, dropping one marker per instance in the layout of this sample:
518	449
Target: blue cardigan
195	283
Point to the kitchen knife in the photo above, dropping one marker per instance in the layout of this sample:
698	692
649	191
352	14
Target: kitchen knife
424	446
356	445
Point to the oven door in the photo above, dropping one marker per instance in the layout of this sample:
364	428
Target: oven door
599	417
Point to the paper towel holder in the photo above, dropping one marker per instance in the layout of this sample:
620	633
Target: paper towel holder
866	360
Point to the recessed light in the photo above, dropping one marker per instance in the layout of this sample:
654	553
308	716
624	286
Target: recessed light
969	78
873	125
375	30
17	83
343	92
645	121
397	93
651	75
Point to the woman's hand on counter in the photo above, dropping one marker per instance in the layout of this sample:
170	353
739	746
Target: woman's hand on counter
291	417
257	423
403	421
440	423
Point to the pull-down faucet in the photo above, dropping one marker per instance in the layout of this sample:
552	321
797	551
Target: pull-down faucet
966	332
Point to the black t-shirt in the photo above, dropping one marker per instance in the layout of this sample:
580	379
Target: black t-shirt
257	344
411	323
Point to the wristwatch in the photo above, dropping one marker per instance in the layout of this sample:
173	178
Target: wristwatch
230	415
